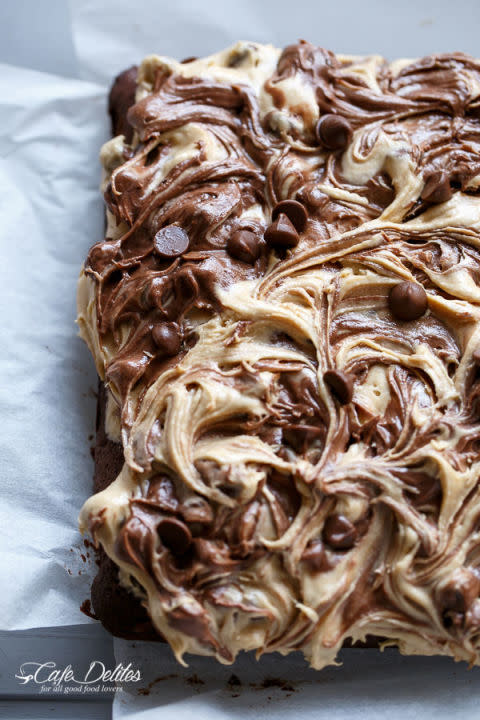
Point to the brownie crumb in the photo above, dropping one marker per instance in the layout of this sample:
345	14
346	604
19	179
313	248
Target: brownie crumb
195	680
86	609
146	690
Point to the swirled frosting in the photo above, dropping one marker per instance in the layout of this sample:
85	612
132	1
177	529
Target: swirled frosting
257	507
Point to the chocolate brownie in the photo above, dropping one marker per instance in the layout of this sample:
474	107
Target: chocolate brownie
119	611
285	317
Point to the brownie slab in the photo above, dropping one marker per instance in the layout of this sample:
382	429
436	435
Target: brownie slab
284	314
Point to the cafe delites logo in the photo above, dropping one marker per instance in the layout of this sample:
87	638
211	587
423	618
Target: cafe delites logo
97	679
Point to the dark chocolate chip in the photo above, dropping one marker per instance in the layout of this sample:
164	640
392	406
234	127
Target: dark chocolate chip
244	245
333	132
460	176
437	187
341	383
167	338
459	594
281	233
171	241
407	301
452	619
175	535
295	212
339	532
452	599
315	557
189	59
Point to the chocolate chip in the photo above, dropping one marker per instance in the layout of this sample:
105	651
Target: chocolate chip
189	59
244	245
295	212
333	132
452	599
437	187
281	233
175	535
315	557
450	619
341	383
458	595
171	241
460	176
339	532
407	301
167	338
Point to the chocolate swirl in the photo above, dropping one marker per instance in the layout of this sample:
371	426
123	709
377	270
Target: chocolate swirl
299	412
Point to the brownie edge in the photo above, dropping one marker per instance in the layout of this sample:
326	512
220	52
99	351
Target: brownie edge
120	612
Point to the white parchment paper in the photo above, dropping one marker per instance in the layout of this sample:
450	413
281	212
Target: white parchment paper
50	211
368	686
51	130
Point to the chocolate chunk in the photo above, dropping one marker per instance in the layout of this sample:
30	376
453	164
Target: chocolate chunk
437	187
341	383
171	241
333	132
281	233
407	301
167	338
244	245
339	532
189	59
175	535
295	212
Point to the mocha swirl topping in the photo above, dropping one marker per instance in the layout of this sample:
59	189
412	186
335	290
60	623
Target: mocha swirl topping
295	385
